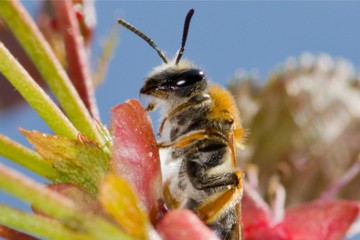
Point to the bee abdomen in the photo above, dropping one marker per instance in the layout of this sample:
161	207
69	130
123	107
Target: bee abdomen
227	228
205	165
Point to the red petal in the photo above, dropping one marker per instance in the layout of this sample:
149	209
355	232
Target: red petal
184	224
321	219
135	152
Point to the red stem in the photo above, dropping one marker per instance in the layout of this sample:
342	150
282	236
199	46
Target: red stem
11	234
78	65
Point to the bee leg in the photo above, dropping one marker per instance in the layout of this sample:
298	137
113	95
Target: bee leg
186	140
150	107
162	126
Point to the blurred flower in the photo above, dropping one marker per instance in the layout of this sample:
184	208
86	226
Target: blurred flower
304	125
303	130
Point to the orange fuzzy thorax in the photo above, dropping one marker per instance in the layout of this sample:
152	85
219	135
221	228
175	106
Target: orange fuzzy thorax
224	108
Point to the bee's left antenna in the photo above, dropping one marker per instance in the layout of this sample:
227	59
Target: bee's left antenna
185	33
143	36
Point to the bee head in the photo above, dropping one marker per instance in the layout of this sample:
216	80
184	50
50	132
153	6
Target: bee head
180	81
175	78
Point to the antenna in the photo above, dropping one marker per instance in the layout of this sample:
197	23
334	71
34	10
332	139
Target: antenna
185	33
143	36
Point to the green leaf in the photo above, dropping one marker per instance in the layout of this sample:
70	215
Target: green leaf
80	161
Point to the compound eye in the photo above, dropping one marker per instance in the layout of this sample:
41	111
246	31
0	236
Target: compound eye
188	77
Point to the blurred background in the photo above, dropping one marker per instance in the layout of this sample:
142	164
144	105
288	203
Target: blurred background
224	38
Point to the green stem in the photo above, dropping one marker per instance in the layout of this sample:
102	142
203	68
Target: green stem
25	157
34	95
55	205
36	224
105	56
34	43
26	189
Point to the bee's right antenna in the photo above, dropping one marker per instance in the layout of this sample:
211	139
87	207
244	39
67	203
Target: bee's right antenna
143	36
185	33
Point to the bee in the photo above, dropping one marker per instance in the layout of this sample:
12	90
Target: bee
199	135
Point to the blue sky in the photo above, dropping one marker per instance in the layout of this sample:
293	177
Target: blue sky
224	37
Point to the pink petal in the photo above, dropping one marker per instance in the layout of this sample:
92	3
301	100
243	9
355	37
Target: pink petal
255	212
314	220
135	152
184	224
264	232
256	218
321	219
